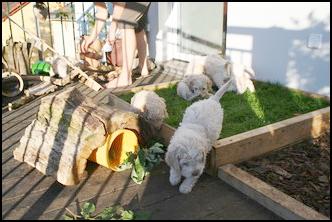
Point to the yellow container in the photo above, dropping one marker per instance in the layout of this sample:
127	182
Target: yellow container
113	152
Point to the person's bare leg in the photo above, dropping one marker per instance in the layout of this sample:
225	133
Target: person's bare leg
128	53
142	48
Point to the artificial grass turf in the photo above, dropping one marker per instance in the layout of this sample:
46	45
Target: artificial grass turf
269	104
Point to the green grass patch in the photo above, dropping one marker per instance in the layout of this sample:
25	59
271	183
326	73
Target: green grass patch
269	104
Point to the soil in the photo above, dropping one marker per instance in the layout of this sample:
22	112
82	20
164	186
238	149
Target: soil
302	171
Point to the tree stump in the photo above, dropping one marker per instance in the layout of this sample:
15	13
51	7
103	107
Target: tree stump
68	127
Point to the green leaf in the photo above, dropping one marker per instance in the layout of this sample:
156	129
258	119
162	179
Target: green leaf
158	145
88	209
130	158
125	166
142	156
118	209
107	214
127	215
157	150
66	217
141	215
138	172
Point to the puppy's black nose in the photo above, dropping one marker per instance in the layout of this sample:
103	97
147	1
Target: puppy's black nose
195	173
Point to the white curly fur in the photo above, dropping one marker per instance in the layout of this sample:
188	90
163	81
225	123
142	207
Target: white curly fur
193	86
220	70
193	139
151	106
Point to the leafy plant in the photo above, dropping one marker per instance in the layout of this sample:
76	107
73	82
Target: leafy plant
87	210
116	212
144	161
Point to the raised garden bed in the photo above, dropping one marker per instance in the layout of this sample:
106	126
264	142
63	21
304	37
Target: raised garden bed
278	117
302	171
269	104
254	123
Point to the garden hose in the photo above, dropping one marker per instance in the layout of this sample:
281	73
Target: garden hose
20	81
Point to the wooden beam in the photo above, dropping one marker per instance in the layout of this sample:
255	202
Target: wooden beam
262	140
166	132
268	196
152	87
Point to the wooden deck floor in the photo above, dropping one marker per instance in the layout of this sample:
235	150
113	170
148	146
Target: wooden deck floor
27	194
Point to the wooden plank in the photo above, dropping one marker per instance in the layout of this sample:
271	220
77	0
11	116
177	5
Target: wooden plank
274	136
268	196
166	132
210	201
101	182
147	87
209	196
40	89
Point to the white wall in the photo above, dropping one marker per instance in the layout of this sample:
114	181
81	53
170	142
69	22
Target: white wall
273	38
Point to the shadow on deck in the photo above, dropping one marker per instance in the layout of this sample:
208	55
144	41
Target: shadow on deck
27	194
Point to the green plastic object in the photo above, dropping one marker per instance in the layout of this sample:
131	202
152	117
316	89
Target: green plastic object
41	68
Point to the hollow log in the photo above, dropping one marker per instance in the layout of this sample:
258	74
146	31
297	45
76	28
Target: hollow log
67	128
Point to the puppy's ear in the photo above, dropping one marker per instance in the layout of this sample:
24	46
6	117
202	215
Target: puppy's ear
144	109
191	86
172	160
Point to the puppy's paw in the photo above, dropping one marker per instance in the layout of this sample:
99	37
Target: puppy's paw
174	180
185	189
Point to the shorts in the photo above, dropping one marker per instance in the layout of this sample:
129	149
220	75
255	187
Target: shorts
134	16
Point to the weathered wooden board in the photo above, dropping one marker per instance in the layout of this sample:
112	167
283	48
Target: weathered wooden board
268	196
259	141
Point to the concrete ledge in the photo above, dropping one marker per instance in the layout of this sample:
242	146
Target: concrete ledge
268	196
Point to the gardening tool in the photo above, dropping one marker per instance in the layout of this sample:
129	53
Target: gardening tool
90	82
114	151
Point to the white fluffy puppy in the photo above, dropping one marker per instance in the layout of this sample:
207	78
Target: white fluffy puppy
219	70
193	86
151	106
242	76
191	142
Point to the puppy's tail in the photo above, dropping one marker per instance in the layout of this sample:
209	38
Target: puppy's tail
221	91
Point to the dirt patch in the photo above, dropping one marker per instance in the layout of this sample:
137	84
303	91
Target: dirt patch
301	171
